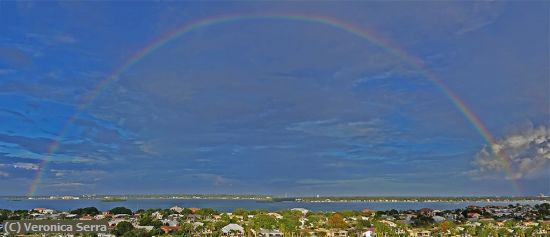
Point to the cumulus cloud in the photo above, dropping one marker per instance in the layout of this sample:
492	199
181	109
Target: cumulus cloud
528	152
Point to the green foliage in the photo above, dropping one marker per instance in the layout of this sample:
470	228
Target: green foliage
543	209
363	224
186	211
140	211
85	211
207	212
122	228
5	212
423	221
120	210
21	212
156	232
220	224
349	213
147	220
137	233
156	223
290	222
337	221
264	221
240	212
186	228
258	211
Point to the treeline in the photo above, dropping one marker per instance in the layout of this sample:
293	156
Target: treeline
415	199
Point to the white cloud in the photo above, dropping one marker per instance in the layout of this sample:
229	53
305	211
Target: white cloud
526	151
26	166
478	16
60	38
64	38
4	174
335	128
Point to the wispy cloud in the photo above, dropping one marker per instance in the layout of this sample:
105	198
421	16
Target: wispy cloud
58	38
26	166
479	15
336	128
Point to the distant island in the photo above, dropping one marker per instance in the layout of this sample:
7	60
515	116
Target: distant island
114	199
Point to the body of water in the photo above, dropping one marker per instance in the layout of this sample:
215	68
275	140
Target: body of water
226	205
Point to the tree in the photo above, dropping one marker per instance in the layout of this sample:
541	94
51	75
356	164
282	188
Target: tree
289	224
139	211
122	228
240	212
264	221
85	211
138	233
129	234
187	228
393	212
142	233
156	232
206	212
19	214
423	221
120	210
186	211
362	224
447	225
337	221
145	219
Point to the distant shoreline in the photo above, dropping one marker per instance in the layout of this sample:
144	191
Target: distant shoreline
266	198
228	205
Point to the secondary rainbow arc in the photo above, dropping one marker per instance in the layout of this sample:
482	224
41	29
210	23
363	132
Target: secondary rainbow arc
379	41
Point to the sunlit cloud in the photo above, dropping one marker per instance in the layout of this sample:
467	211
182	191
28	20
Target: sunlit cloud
526	151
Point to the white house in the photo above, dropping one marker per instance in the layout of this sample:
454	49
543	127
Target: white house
367	233
270	233
233	230
177	209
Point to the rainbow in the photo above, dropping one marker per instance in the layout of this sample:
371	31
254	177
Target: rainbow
188	27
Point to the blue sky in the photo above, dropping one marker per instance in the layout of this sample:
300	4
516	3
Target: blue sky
274	106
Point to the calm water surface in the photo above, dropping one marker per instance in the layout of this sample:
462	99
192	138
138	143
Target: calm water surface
229	205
